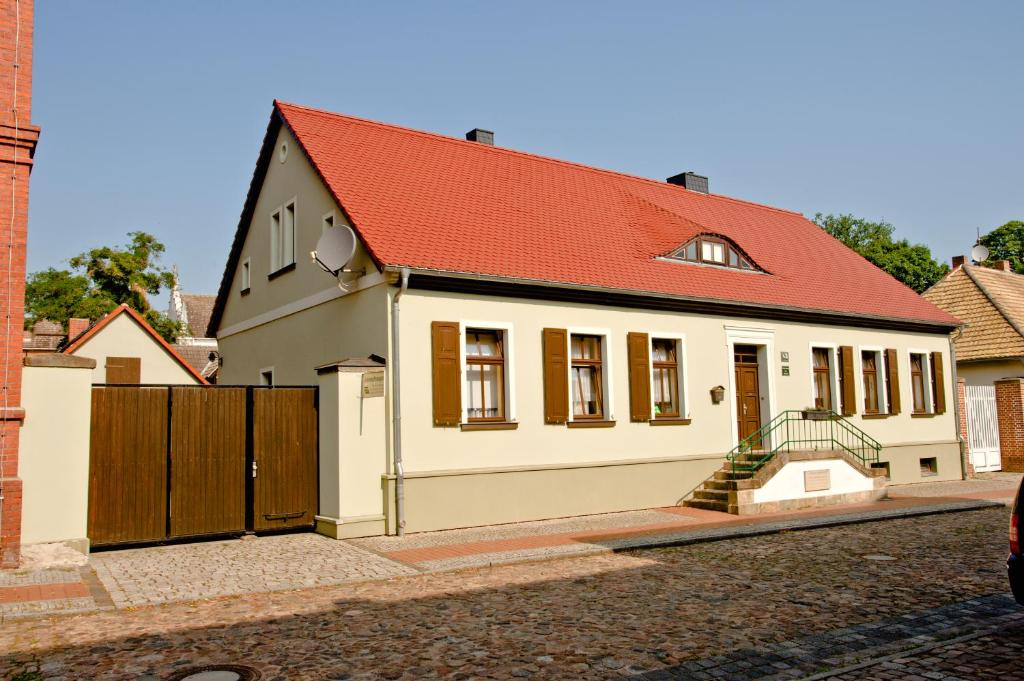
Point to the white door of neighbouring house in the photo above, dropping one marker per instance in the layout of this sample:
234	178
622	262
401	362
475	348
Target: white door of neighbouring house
983	427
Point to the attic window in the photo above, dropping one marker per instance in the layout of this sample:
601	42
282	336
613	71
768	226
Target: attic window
713	250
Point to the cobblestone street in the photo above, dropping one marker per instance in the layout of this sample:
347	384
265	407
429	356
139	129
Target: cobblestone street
788	605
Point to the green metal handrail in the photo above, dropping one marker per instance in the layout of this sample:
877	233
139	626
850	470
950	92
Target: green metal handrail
798	429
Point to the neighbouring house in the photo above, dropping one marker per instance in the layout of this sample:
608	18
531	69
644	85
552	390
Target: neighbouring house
989	358
560	339
199	349
45	336
129	351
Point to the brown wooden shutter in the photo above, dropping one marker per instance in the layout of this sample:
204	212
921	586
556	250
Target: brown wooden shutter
446	370
639	348
556	375
848	380
124	370
892	373
939	379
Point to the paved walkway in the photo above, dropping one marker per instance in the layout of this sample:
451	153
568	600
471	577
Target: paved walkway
203	570
787	604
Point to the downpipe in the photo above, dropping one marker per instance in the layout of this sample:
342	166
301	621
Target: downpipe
396	407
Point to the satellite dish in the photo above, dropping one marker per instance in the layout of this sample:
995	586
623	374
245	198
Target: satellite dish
979	253
335	249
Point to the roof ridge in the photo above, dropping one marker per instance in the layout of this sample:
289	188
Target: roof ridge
540	157
991	298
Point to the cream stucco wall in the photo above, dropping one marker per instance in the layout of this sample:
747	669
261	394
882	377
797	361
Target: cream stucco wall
707	365
788	483
123	337
55	454
987	373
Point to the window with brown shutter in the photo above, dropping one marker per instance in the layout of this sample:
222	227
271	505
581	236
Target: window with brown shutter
938	383
892	380
822	378
446	371
639	383
847	386
485	375
124	370
869	373
665	378
587	376
556	376
917	383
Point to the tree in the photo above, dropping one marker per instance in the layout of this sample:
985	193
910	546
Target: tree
912	264
1006	243
99	280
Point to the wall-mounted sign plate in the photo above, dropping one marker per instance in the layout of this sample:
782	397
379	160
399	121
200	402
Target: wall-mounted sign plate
373	384
785	371
817	480
785	357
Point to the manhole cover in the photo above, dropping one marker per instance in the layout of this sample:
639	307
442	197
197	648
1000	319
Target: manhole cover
216	672
879	557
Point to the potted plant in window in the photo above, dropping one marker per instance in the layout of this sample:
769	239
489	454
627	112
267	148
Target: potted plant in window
817	414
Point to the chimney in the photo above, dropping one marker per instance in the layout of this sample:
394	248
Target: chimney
958	261
690	180
480	135
77	326
1002	266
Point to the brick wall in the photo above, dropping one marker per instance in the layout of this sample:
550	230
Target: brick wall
1010	410
18	139
961	397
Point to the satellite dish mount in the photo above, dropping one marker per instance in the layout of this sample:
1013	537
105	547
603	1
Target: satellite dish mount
334	252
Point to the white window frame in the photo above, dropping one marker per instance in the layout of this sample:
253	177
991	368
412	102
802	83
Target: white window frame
833	371
294	205
246	275
765	340
508	345
606	368
682	373
276	223
882	367
327	221
268	370
926	377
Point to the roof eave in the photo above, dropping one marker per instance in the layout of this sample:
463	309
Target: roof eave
469	278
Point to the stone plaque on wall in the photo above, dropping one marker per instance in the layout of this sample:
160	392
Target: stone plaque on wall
373	384
817	481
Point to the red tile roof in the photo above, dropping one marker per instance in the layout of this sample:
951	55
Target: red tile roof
432	202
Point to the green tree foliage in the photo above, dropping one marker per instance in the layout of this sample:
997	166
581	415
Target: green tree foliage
912	264
99	280
1006	243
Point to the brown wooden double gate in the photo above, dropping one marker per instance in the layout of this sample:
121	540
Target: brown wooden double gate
186	461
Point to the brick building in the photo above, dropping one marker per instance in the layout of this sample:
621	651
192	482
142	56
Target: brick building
18	139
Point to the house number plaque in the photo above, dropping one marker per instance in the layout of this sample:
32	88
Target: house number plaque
817	481
373	384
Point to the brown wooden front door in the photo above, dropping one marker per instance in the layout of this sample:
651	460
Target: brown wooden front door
748	394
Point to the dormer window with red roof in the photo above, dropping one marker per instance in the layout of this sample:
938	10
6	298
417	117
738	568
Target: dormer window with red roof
709	249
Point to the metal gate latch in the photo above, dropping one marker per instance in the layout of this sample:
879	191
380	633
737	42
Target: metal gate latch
254	469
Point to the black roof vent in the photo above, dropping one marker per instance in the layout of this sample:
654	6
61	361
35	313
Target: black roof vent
480	135
692	181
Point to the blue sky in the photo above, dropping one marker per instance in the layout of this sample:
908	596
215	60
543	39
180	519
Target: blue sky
912	112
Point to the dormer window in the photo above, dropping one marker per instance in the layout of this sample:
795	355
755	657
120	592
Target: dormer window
713	250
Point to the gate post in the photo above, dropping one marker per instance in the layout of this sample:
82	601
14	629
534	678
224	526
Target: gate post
353	449
1010	410
961	398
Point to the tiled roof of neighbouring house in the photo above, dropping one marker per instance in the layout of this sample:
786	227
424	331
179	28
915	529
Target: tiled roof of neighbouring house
442	204
198	308
991	305
197	356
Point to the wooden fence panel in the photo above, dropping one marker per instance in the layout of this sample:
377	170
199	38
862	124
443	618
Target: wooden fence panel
284	430
208	471
128	465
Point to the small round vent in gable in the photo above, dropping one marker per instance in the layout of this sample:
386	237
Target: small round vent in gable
282	153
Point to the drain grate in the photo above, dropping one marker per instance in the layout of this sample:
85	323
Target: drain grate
216	672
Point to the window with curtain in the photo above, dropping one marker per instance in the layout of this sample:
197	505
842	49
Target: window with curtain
917	382
665	377
869	369
822	379
587	402
485	375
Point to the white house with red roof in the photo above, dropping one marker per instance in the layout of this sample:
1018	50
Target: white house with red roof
128	351
573	340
